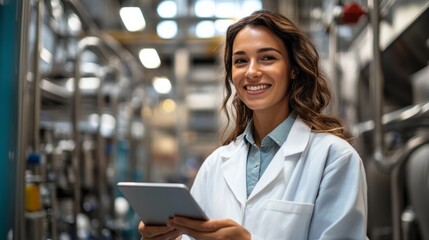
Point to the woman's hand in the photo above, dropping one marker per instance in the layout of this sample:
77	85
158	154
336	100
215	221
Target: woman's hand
158	232
210	229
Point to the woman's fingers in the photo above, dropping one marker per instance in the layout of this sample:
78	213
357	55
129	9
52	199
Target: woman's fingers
211	229
172	235
158	232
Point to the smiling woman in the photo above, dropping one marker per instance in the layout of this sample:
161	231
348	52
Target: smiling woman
261	74
258	185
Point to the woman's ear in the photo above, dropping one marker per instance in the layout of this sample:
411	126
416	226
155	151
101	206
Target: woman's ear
294	73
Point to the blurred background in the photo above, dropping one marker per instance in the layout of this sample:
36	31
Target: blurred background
94	92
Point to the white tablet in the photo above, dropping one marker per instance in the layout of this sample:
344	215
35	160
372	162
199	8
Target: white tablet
155	203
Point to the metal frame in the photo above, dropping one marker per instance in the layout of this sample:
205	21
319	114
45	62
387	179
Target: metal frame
23	122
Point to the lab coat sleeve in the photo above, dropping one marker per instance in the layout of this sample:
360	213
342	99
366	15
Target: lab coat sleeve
341	205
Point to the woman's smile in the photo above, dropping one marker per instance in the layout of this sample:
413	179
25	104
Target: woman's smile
257	88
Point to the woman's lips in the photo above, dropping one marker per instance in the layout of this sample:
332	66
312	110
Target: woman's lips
255	88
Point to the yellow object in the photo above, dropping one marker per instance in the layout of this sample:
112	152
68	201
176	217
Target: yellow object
32	198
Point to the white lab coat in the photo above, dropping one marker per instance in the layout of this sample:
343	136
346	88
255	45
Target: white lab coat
314	188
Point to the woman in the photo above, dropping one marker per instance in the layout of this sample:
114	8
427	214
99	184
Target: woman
286	170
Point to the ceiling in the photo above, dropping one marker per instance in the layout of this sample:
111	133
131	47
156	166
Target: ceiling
105	13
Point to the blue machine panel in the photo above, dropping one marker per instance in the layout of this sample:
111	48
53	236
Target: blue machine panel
9	82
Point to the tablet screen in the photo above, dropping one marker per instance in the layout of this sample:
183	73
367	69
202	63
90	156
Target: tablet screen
155	203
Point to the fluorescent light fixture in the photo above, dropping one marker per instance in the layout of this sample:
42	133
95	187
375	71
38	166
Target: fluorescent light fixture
204	8
226	9
133	19
85	83
162	85
249	7
149	58
167	9
205	29
167	29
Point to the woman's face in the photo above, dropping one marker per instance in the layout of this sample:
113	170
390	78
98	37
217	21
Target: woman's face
261	70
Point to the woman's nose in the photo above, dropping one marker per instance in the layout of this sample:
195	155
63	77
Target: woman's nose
253	71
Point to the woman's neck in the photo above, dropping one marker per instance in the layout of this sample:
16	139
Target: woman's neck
263	124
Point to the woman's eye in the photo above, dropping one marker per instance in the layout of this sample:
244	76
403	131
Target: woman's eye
239	61
268	58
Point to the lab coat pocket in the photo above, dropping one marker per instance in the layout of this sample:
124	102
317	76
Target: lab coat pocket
291	218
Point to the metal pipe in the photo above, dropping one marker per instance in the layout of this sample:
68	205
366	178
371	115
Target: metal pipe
408	117
23	123
76	136
377	83
100	156
115	107
83	44
36	75
86	19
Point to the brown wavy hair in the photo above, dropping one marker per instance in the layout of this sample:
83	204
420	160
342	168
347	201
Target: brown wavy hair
309	92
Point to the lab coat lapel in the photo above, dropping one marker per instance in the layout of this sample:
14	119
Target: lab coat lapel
270	174
234	171
296	142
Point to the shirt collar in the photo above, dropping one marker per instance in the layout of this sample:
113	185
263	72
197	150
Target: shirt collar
277	135
248	133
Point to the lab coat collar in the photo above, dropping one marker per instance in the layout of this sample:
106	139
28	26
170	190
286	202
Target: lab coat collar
234	169
298	138
235	157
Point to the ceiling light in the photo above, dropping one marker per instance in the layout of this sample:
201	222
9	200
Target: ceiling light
133	19
226	10
167	9
162	85
204	8
205	29
167	29
149	58
249	6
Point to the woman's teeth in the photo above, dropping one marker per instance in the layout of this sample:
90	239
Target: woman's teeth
256	88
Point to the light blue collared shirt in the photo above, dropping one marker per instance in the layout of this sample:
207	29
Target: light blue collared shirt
258	159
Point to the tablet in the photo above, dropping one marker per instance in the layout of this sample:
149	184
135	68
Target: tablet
155	203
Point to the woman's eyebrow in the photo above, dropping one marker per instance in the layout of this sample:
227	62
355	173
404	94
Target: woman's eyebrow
258	51
268	49
238	53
